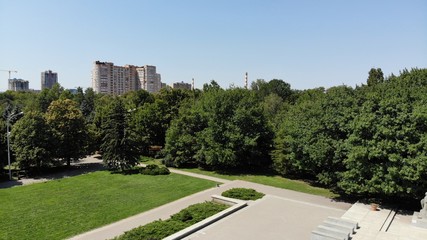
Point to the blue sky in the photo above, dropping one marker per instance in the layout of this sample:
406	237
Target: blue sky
306	43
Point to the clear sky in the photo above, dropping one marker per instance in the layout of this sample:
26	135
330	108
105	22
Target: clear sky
307	43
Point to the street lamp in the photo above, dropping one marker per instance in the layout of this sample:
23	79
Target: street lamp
8	145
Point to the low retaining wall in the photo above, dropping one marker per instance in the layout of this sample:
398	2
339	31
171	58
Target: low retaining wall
235	206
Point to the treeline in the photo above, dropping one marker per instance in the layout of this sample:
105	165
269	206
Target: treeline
367	141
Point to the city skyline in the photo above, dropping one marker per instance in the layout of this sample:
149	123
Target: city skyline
308	44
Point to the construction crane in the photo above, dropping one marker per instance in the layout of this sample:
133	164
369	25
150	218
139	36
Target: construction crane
9	71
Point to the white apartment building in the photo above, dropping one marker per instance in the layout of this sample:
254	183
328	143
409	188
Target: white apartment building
149	79
117	80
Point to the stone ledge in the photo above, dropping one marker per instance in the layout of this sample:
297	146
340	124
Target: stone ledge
235	206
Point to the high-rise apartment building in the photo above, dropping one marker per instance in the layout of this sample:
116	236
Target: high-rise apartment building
149	79
117	80
48	79
18	85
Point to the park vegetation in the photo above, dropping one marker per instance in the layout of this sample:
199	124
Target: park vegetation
243	194
162	228
363	141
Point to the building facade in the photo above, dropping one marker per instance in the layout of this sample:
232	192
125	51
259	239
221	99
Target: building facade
149	79
110	79
18	85
48	79
182	85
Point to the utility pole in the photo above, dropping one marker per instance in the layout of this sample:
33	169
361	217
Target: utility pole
10	71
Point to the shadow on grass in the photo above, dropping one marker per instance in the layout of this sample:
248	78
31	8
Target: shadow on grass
54	173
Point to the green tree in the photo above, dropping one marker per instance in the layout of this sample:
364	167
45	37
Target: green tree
31	141
275	86
182	137
375	76
68	128
387	148
47	96
153	119
120	149
225	129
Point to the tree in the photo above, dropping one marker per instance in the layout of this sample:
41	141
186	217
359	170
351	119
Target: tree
120	149
47	96
387	147
68	128
375	76
275	86
223	130
153	119
31	141
136	99
182	137
87	105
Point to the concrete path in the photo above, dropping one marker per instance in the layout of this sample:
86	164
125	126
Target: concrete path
214	179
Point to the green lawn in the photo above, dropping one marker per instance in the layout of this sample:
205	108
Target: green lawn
275	181
66	207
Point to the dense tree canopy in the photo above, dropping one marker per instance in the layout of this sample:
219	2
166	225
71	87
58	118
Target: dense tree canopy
222	130
368	141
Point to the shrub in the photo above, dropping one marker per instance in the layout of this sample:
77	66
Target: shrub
154	230
185	218
153	169
197	212
243	194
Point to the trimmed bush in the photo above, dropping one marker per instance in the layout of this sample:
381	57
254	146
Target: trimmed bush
243	194
185	218
155	230
197	212
153	169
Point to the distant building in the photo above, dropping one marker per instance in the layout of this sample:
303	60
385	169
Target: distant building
18	85
48	79
181	85
117	80
149	79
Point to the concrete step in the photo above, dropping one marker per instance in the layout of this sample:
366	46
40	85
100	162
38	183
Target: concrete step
337	226
336	232
342	221
316	235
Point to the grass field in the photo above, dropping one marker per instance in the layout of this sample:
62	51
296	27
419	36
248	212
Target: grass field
63	208
270	180
275	181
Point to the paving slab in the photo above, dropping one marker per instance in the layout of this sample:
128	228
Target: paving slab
272	217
